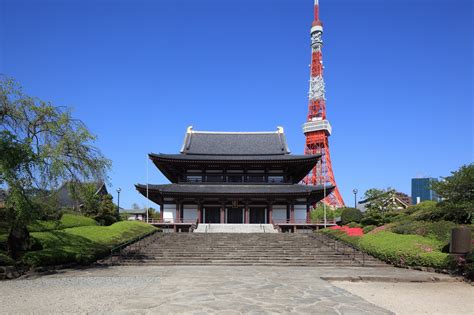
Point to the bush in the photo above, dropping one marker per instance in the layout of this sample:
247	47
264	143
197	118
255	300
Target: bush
342	236
424	211
354	225
84	244
402	250
3	241
6	260
368	228
440	230
373	219
350	215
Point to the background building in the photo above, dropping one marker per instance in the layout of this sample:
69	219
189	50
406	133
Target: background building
421	191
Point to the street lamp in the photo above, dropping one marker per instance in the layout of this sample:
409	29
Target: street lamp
355	191
118	200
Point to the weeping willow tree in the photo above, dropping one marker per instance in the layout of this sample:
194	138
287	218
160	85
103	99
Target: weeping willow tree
41	146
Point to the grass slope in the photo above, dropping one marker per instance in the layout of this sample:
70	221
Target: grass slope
411	250
83	244
67	221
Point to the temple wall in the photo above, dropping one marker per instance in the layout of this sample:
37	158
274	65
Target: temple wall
169	212
190	212
300	212
279	212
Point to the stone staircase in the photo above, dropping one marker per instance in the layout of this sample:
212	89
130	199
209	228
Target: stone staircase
233	249
235	228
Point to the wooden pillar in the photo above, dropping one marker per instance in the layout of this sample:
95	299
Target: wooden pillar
199	212
222	213
288	216
292	212
246	213
161	212
176	219
270	213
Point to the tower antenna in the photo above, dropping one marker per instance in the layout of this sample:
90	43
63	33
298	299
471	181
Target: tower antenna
317	128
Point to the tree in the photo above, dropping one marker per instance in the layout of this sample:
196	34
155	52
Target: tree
107	213
457	193
42	146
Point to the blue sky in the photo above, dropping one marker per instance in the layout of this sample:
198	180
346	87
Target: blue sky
399	78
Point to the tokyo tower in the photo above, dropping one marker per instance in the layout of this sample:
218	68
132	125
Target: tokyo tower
317	128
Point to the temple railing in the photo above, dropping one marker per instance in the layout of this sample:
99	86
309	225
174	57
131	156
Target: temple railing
170	221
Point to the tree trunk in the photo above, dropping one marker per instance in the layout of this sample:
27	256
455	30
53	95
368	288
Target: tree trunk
18	241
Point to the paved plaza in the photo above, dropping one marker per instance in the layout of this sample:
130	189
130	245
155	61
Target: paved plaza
207	289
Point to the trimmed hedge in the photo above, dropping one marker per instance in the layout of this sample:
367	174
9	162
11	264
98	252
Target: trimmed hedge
405	250
82	245
67	221
349	215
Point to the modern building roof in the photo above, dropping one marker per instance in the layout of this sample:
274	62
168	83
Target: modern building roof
234	143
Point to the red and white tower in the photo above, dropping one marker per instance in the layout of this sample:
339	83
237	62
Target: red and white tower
317	128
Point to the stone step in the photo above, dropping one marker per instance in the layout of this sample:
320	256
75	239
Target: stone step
252	249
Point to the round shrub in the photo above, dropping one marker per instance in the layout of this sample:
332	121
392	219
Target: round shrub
368	228
350	215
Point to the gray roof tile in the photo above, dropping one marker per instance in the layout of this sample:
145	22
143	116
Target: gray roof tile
235	143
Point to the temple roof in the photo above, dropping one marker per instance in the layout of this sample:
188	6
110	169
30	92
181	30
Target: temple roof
237	158
235	143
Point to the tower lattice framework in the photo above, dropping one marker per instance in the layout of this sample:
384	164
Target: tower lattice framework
317	128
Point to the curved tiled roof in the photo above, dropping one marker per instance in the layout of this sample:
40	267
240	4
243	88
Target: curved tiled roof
235	143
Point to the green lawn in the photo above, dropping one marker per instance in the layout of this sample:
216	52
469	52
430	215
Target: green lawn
83	244
67	221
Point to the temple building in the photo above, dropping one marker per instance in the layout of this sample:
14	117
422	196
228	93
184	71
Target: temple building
234	177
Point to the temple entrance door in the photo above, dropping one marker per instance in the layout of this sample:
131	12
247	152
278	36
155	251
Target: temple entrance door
235	215
212	215
257	215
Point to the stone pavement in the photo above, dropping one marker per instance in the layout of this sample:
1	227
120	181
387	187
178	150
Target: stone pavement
196	290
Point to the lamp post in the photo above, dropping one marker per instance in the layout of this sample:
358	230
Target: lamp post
355	191
118	200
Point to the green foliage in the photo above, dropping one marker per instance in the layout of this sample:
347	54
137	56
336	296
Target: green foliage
424	211
342	236
3	241
354	225
368	228
84	244
6	260
40	147
373	218
108	212
405	250
440	230
457	192
317	214
350	215
66	221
